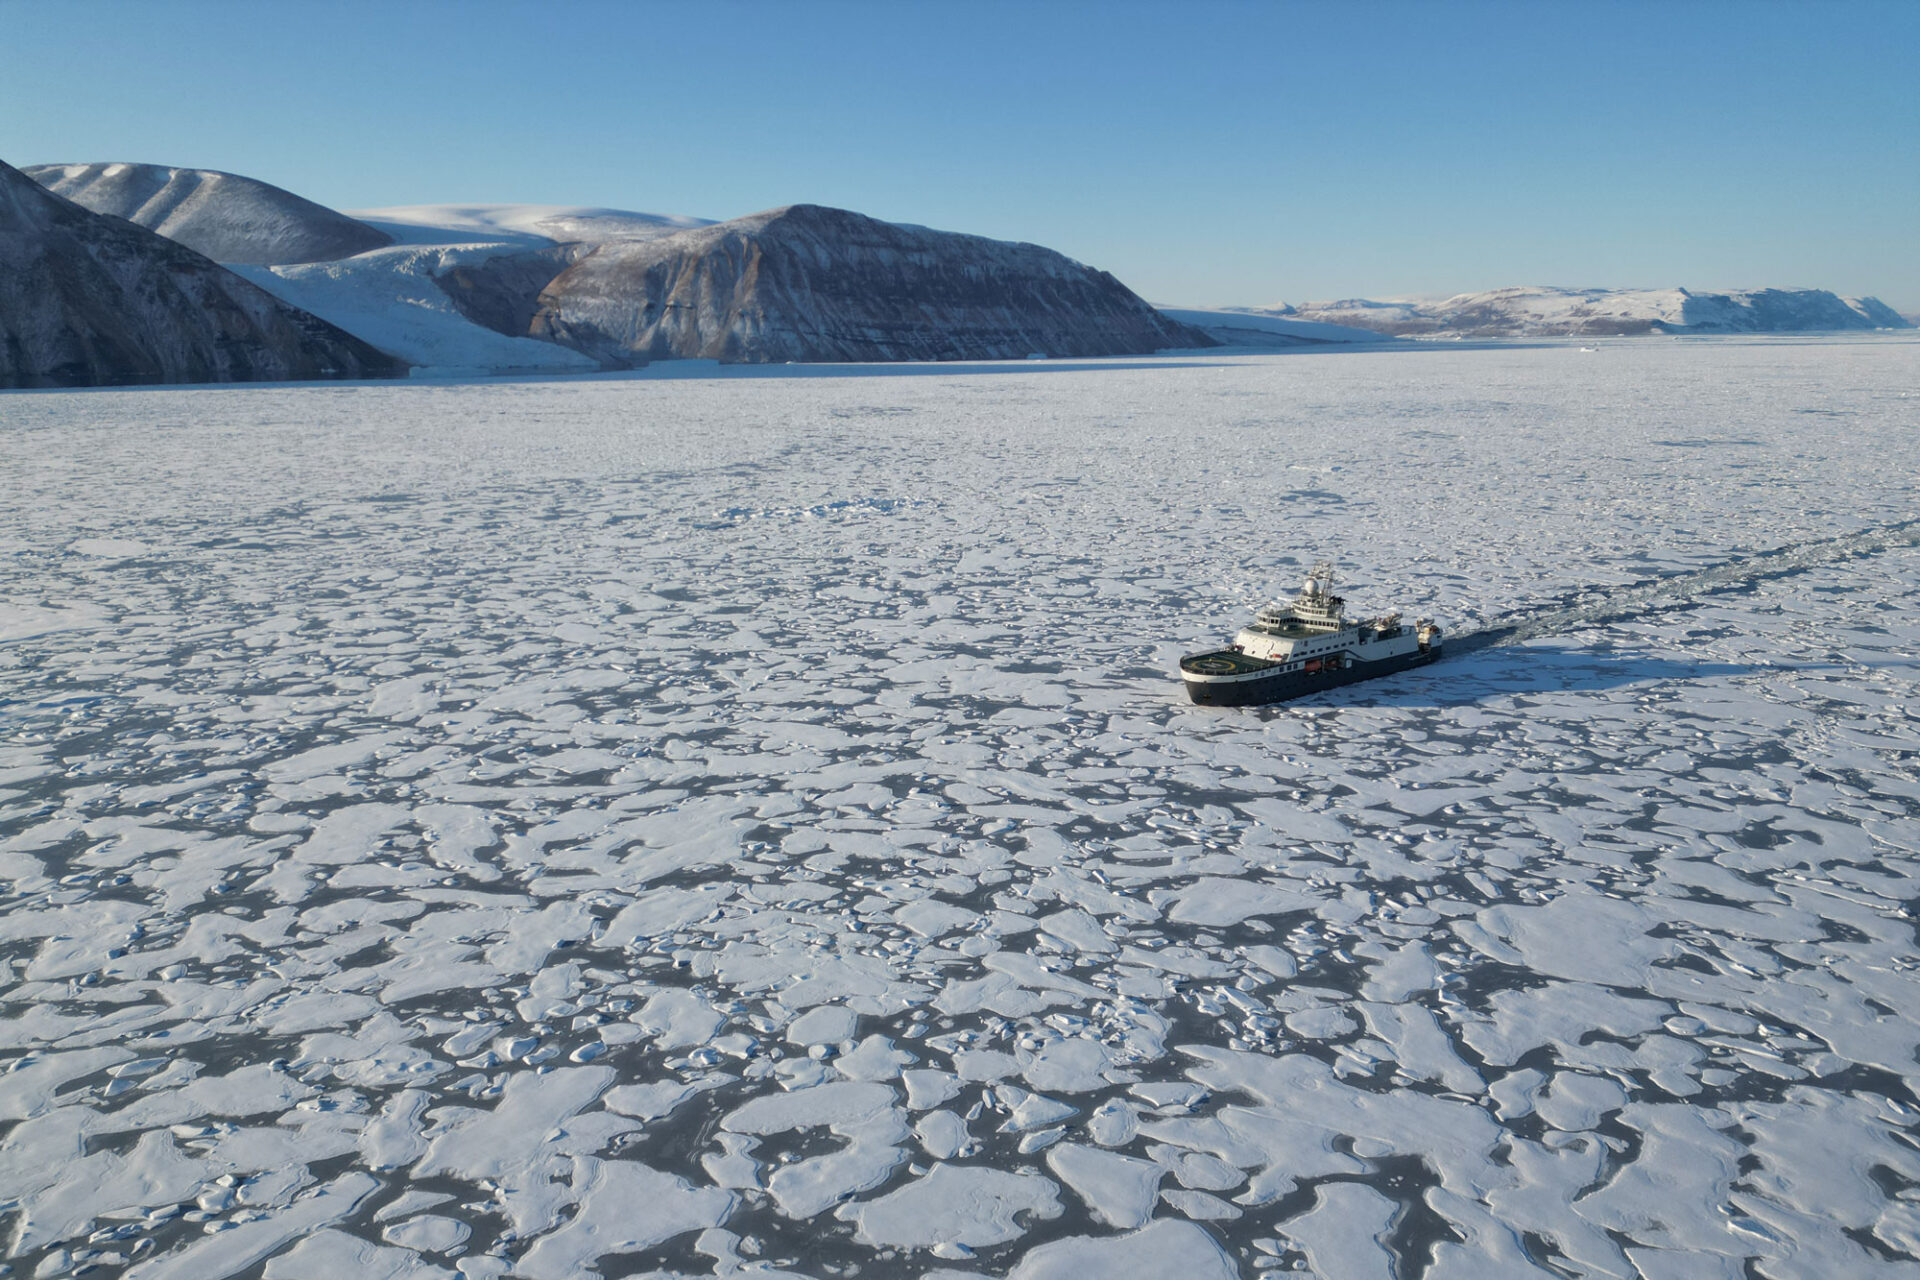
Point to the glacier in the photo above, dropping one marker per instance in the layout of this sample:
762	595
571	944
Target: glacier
746	822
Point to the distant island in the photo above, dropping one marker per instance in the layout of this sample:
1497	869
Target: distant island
1545	311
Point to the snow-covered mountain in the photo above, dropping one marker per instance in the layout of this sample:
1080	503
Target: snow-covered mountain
92	300
558	288
533	224
1542	311
809	283
222	215
1266	329
457	291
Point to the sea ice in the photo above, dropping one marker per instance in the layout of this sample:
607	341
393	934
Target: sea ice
1168	1247
1120	1190
954	1204
718	821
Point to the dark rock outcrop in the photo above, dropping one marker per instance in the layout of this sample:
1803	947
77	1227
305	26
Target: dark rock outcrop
806	283
223	215
90	300
502	292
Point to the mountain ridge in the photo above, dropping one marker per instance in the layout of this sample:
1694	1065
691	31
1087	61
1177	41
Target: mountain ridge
549	224
557	288
226	216
810	283
88	299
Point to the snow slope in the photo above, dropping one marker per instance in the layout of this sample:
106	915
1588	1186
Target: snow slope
225	216
375	279
520	223
390	298
397	299
394	299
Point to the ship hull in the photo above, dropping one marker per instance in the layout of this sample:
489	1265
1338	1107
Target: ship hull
1259	688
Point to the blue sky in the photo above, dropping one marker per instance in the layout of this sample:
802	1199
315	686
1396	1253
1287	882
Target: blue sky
1204	152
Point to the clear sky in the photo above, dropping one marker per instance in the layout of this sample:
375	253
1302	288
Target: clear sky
1206	152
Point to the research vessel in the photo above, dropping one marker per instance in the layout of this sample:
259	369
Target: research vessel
1291	650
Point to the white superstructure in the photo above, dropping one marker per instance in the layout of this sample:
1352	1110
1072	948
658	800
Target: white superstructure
1312	630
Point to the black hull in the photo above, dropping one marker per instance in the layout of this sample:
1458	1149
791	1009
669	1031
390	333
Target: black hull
1261	690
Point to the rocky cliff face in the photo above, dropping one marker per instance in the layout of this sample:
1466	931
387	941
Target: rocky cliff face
88	300
502	291
806	283
1547	312
223	215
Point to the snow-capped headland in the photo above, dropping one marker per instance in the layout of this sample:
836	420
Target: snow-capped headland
809	283
1546	311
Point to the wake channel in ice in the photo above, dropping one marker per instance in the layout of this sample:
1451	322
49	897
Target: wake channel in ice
1604	606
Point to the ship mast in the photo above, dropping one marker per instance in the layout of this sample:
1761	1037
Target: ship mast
1319	582
1316	606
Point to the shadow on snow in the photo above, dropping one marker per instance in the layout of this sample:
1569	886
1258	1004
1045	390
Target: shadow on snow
1485	672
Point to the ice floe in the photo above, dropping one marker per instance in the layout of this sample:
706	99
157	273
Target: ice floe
747	824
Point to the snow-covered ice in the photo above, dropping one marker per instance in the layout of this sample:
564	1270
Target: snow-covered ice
390	297
730	822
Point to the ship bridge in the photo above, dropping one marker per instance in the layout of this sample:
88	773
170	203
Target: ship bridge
1315	611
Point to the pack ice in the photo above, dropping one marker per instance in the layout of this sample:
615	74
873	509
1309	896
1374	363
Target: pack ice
748	824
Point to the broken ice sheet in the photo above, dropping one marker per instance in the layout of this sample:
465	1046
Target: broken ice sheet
446	844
